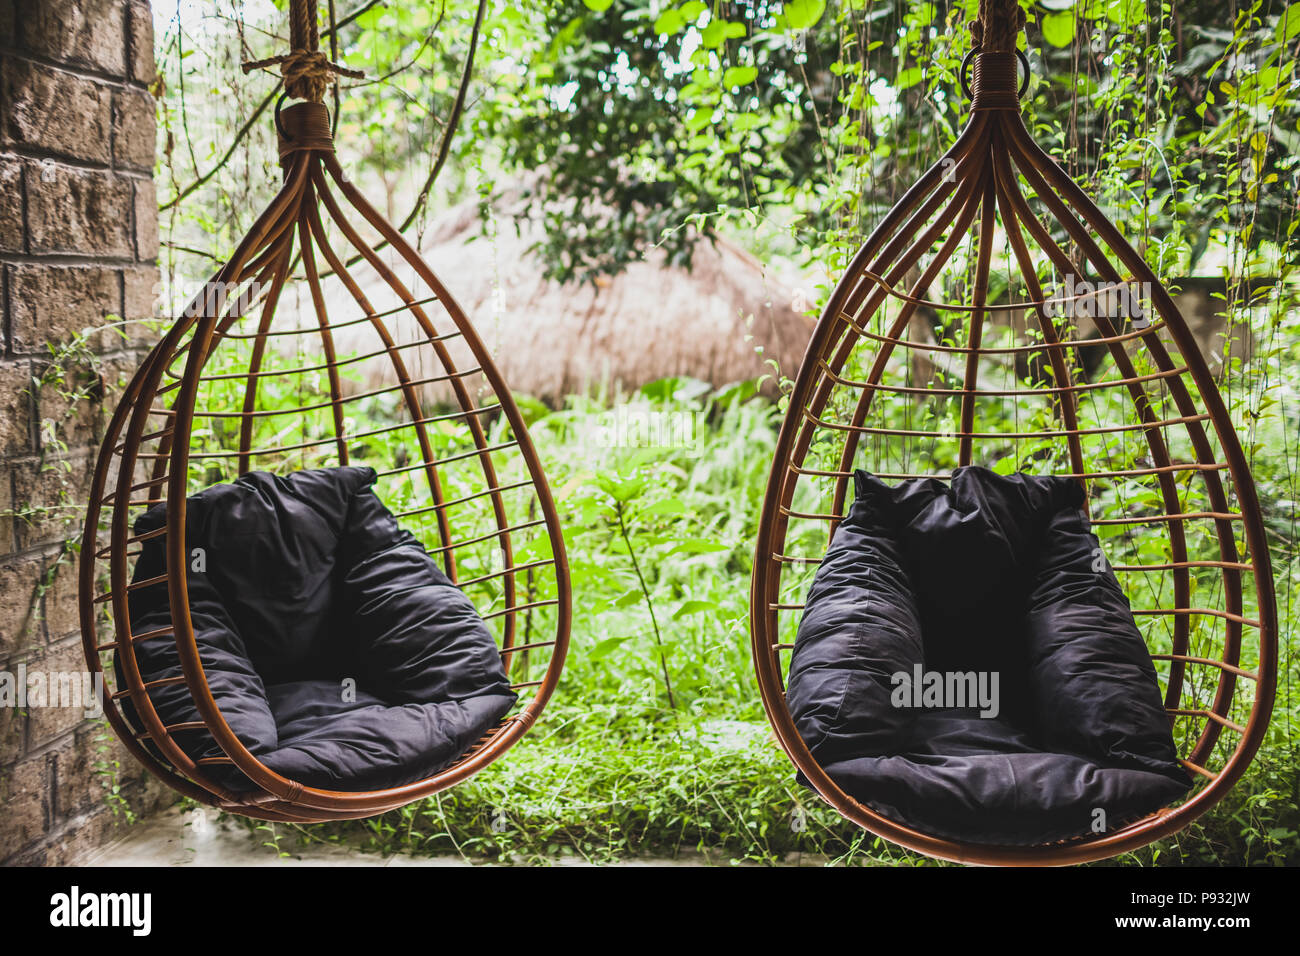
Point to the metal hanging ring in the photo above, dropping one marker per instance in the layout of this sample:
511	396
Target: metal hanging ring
970	56
279	124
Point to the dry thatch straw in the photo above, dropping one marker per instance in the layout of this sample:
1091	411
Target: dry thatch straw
722	321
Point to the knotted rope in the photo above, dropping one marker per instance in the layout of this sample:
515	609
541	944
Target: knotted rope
307	72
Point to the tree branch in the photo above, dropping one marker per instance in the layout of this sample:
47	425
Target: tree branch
225	158
354	15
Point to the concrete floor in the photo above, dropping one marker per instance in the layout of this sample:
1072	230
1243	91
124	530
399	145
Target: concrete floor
174	838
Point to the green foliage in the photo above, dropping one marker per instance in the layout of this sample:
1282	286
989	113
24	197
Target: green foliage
108	769
640	129
660	540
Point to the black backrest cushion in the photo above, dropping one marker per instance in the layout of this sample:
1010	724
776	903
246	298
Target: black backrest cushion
970	547
1094	687
419	638
859	629
270	544
972	542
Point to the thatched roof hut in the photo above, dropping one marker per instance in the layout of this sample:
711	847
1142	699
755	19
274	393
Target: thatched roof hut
720	322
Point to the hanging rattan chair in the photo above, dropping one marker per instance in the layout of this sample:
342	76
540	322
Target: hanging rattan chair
252	377
1147	433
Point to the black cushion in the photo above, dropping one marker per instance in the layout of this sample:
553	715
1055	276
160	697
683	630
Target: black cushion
337	650
860	627
986	577
1093	684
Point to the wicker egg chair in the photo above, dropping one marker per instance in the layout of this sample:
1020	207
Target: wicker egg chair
1167	484
248	379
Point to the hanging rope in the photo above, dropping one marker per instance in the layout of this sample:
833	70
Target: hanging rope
998	26
307	72
994	53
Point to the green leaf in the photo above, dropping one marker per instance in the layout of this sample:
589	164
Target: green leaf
599	6
698	546
802	14
668	506
628	598
698	120
620	488
739	75
720	31
669	22
694	607
1126	11
605	647
1058	29
1288	25
910	77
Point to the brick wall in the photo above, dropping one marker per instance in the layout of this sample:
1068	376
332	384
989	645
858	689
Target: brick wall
78	249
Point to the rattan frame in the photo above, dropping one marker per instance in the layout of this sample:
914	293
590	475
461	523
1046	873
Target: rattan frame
147	455
990	157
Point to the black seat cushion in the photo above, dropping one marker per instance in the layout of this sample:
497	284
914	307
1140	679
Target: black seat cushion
986	578
338	651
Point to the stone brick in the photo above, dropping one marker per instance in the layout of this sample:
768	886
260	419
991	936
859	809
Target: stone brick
145	792
55	111
6	519
79	211
57	717
146	221
134	129
20	586
12	232
140	40
54	490
13	734
33	856
85	33
59	609
24	793
7	22
141	287
77	784
117	374
54	304
16	407
84	834
74	96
